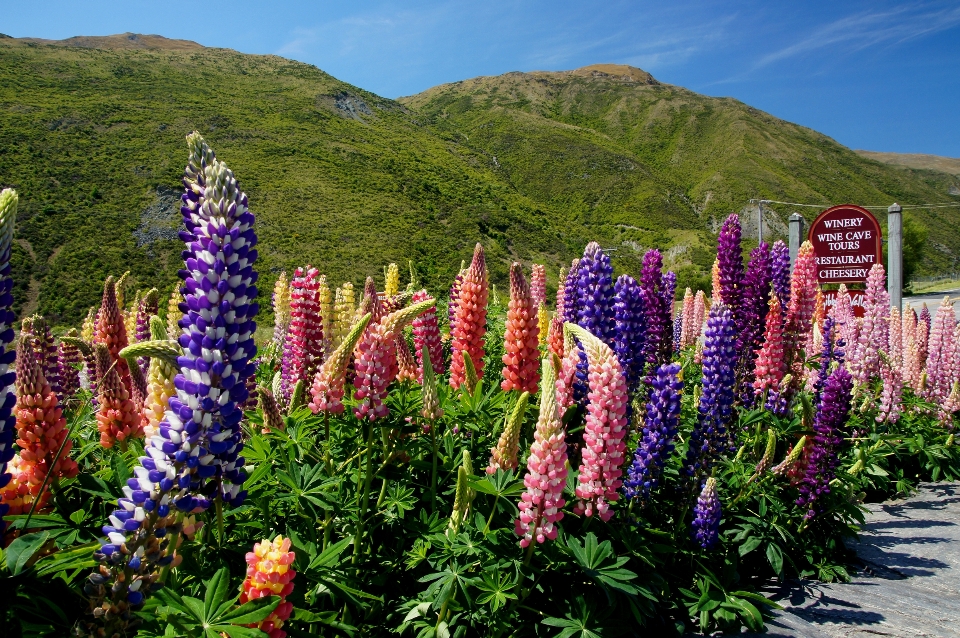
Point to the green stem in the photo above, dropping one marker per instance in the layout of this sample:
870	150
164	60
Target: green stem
433	475
326	448
490	518
47	478
364	495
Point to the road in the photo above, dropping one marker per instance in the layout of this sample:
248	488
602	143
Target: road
932	300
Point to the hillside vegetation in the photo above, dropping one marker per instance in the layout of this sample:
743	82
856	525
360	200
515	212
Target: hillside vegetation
532	165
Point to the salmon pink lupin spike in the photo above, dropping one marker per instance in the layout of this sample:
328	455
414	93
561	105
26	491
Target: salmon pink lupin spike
521	337
470	324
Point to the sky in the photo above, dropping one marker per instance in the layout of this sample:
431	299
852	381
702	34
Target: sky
875	75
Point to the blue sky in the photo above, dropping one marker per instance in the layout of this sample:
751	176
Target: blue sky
877	75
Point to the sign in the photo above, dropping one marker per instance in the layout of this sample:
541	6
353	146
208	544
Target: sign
856	300
846	242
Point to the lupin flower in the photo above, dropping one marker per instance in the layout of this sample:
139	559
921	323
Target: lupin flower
426	335
567	376
455	298
345	310
281	310
117	416
174	314
940	351
677	329
912	366
699	314
659	432
786	466
303	348
521	337
196	450
111	331
270	573
160	387
148	306
770	366
561	291
780	254
864	357
329	383
895	338
69	362
470	324
569	312
715	283
391	283
706	521
375	353
88	326
668	289
538	285
803	296
687	330
655	310
925	316
709	437
555	336
272	419
848	328
327	319
891	376
629	332
595	293
828	425
8	216
923	344
543	324
753	312
503	456
542	502
44	350
598	483
406	366
730	266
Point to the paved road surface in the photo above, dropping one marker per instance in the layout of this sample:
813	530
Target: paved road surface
909	585
932	300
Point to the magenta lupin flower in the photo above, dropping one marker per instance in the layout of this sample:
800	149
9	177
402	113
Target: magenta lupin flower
730	261
599	482
329	383
542	502
426	334
303	346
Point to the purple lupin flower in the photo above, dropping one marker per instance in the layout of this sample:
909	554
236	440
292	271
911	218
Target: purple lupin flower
730	258
925	317
8	398
753	315
706	515
629	330
594	296
780	253
709	437
570	293
655	311
659	431
195	454
832	350
832	411
677	331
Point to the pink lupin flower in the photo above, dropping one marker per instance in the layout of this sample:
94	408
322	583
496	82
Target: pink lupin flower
598	483
470	324
686	320
715	281
541	504
911	357
699	315
568	372
939	353
923	345
864	360
426	334
555	336
771	367
303	345
561	291
270	573
890	399
406	367
376	353
328	385
895	338
538	285
521	337
803	297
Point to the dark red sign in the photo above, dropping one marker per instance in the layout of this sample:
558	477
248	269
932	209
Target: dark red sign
856	300
846	241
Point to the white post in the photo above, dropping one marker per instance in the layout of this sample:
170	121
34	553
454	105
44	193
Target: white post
796	236
895	255
760	222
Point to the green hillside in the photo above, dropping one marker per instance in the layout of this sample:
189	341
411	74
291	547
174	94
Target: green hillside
532	165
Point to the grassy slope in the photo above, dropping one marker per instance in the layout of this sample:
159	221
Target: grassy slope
714	154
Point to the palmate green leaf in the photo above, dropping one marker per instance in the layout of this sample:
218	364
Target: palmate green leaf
250	612
216	593
22	549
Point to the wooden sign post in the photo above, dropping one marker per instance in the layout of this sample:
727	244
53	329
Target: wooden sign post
847	243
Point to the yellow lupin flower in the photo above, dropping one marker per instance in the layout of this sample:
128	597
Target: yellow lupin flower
281	309
543	323
391	285
344	310
326	312
160	386
173	312
86	331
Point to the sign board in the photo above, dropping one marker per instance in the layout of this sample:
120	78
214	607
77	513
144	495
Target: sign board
856	300
846	242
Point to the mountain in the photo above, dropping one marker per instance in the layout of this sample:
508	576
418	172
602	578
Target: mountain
533	165
922	161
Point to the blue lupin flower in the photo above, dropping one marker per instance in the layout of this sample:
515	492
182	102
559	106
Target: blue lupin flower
780	253
8	399
706	515
629	329
659	432
594	296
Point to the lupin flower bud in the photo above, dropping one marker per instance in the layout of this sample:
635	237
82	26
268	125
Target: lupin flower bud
430	397
343	306
542	502
160	387
780	254
89	324
659	432
891	376
281	310
426	335
687	329
709	437
555	336
543	324
327	315
111	331
463	495
174	314
117	417
272	419
792	458
598	483
521	337
629	329
270	573
706	521
391	285
538	285
828	436
503	456
44	350
470	325
406	367
329	383
766	461
69	361
715	283
303	349
375	351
